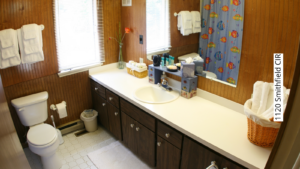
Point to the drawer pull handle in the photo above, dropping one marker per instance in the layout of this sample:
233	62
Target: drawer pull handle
137	128
131	125
167	135
96	88
116	113
103	104
213	165
158	144
110	98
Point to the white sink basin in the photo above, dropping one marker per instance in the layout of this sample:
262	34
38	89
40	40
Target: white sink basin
155	94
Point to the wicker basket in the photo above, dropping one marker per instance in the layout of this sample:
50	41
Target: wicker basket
261	136
136	73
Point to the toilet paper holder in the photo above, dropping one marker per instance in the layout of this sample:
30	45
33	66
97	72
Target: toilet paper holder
53	107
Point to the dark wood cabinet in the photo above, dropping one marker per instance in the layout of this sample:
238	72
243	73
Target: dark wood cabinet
146	144
112	98
100	105
114	117
139	139
168	133
128	128
167	155
197	156
137	130
139	115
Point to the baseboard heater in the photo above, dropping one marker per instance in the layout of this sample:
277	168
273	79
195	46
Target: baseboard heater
71	127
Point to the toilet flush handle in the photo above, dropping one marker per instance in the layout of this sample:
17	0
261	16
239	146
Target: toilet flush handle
21	109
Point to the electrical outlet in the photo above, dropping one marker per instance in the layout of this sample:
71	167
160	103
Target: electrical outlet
141	60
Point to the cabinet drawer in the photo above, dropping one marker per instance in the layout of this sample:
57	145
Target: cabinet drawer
112	98
96	87
169	134
137	114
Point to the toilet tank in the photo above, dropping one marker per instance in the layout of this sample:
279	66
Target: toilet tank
32	109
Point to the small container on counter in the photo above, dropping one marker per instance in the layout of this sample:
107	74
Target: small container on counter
187	69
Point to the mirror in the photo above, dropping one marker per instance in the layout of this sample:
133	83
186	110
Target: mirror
220	39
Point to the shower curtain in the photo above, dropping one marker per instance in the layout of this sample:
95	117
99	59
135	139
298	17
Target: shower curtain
221	37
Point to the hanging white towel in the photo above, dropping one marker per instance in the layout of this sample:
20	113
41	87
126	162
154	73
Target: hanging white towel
31	43
9	49
184	23
31	38
196	20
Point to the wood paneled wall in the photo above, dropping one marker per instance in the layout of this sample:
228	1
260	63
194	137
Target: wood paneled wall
15	13
270	26
74	89
42	76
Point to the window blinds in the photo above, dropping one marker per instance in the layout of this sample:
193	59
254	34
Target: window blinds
158	25
79	33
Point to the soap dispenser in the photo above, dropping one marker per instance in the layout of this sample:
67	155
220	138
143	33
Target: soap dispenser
164	81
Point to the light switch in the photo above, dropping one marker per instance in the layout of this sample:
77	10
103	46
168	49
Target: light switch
141	39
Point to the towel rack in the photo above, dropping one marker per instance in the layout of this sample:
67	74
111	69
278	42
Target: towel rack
42	27
175	14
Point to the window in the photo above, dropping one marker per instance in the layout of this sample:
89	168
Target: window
158	26
79	33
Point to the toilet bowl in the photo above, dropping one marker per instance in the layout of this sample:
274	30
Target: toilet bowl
42	138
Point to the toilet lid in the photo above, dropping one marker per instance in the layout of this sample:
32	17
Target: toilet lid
41	134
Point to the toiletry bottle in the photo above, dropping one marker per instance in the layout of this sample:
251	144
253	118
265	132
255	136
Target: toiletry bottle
162	62
167	60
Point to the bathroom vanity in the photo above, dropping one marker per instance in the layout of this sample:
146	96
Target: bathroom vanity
185	133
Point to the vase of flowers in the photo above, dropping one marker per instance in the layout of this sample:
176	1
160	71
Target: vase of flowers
119	39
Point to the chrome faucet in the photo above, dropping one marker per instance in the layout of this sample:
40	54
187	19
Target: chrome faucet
165	85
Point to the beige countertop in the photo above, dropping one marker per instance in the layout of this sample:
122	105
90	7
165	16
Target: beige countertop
216	125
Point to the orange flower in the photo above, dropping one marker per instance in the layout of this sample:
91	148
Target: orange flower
127	30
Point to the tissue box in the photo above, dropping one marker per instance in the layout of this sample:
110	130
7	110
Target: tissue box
198	66
189	87
187	69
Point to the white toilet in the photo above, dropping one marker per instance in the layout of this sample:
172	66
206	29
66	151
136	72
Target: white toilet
42	138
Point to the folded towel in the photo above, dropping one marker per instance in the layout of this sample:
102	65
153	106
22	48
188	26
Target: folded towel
9	43
9	50
34	52
185	23
31	38
196	21
257	89
269	113
140	65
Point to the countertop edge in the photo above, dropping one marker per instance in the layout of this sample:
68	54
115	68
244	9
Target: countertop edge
187	133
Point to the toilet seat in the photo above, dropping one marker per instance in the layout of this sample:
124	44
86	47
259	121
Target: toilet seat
41	134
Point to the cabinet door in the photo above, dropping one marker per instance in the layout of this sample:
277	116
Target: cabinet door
197	156
100	105
146	144
114	117
129	132
167	155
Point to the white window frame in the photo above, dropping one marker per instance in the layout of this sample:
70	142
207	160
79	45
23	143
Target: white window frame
77	69
168	37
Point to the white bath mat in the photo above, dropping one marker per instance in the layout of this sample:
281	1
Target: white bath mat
116	156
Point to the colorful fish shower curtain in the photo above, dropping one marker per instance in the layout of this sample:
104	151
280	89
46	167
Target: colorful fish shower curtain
221	37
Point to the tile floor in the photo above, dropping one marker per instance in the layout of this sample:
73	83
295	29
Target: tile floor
73	152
